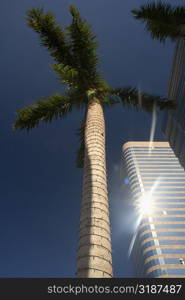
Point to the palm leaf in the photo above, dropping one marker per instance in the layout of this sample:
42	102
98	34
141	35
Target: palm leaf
78	97
53	107
83	49
81	151
67	75
132	97
162	20
51	35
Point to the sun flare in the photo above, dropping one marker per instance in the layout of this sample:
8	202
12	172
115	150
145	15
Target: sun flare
145	204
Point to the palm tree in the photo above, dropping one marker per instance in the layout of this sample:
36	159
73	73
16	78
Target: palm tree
162	20
74	51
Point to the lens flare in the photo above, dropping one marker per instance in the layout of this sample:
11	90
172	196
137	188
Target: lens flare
138	221
153	127
145	206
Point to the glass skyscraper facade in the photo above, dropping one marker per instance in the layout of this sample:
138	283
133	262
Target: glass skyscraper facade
174	121
157	184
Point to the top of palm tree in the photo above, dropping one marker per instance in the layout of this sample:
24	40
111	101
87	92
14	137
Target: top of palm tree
76	64
162	20
74	49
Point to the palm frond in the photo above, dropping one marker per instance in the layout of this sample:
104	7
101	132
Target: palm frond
162	20
108	101
102	93
78	97
81	151
132	97
53	107
83	49
51	35
67	75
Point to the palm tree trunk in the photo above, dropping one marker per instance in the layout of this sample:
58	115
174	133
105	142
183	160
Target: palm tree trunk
94	251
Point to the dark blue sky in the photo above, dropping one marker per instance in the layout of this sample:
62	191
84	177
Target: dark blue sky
39	181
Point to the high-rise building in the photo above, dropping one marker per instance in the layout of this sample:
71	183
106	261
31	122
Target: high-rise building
157	184
174	121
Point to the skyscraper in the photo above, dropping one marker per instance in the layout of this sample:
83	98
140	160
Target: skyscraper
157	184
174	121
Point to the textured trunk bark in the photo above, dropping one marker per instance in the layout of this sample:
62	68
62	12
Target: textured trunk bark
94	251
